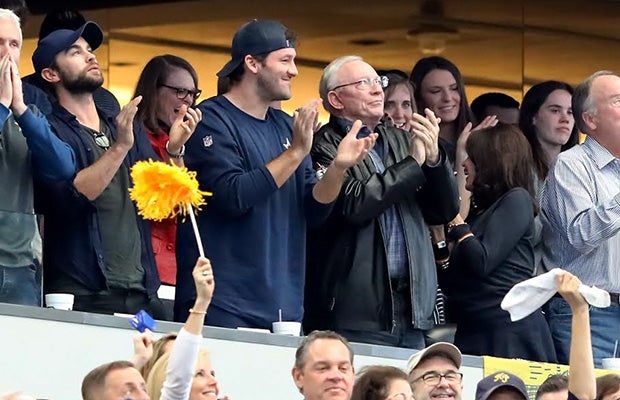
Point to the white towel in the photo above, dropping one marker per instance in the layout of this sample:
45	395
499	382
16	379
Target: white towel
527	296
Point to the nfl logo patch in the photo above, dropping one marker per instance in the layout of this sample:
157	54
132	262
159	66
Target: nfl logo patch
207	141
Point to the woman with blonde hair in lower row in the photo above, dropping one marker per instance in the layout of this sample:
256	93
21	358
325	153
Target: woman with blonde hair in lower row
186	372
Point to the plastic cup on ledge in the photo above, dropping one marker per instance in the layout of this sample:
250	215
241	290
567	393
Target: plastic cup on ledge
59	301
291	328
611	363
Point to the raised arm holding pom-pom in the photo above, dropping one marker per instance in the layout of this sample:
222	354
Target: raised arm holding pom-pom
188	369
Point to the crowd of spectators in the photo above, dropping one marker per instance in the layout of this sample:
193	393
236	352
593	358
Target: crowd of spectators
363	226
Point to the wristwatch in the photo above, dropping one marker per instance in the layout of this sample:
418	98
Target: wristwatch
442	254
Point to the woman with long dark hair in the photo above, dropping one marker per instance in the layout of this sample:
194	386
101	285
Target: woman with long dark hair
438	85
547	121
168	86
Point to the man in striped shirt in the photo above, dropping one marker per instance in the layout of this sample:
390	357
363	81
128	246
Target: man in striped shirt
580	211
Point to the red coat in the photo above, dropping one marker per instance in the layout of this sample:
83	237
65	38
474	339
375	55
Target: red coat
164	233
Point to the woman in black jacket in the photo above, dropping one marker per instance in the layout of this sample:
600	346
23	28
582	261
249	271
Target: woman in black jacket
494	250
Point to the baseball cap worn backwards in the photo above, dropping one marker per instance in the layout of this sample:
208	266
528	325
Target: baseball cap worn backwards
60	40
256	37
498	380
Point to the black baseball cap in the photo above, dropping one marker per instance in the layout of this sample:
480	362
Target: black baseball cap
60	40
256	37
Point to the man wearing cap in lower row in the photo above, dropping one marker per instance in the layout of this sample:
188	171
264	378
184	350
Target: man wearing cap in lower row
96	246
434	372
255	161
501	385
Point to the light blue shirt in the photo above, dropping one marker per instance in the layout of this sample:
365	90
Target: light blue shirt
580	212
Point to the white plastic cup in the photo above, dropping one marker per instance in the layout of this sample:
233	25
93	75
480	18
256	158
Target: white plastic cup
611	364
59	301
291	328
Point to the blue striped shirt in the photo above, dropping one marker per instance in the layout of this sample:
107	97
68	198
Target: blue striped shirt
580	212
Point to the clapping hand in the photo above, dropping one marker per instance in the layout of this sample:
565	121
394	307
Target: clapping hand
6	84
182	128
425	130
17	102
124	121
352	150
305	123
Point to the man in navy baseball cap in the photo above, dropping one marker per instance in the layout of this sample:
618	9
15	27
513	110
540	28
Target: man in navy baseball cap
501	385
61	40
102	258
254	38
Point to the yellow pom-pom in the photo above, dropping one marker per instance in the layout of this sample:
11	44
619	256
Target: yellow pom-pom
163	190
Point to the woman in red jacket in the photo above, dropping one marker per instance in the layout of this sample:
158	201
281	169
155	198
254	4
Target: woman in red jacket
168	86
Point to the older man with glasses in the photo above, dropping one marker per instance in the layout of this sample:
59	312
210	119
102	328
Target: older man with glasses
434	372
371	272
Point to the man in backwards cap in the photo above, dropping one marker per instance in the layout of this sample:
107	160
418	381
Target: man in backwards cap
255	161
96	247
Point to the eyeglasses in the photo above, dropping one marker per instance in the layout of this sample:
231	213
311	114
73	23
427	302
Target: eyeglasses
366	83
433	378
182	93
101	140
400	396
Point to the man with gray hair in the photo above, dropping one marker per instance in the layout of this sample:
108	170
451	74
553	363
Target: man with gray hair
580	212
28	151
324	367
371	272
434	372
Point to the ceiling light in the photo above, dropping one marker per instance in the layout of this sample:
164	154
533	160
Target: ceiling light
432	43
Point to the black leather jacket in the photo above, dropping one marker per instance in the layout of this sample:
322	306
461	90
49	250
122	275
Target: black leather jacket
347	280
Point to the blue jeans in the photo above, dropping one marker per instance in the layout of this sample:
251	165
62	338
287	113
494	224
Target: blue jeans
20	285
604	326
